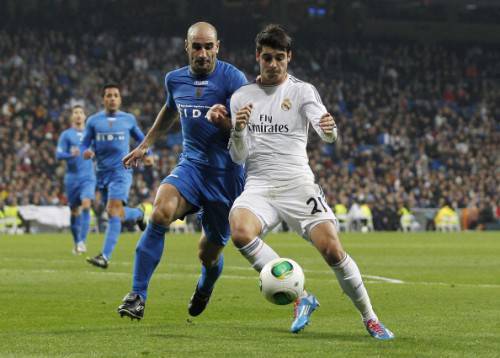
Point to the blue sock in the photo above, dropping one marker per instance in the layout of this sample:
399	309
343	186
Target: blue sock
132	214
84	230
147	256
209	276
111	237
75	227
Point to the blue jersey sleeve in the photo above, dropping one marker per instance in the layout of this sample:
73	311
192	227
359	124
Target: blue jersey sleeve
63	148
168	90
88	137
135	131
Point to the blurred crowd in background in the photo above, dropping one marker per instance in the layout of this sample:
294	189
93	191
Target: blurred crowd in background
419	126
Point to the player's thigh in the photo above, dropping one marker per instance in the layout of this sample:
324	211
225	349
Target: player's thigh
87	191
304	207
73	194
188	181
253	203
169	205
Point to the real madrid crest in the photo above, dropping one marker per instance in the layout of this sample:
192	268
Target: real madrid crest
286	105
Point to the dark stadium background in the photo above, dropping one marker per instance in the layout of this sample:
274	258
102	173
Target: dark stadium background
414	86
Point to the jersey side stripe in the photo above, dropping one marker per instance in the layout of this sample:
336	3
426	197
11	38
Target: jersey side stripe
316	94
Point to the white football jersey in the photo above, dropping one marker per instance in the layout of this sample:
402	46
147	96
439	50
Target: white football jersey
273	145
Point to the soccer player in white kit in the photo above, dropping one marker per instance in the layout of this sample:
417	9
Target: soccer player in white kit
271	119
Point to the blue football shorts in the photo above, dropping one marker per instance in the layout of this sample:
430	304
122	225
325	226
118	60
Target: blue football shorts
114	184
78	189
212	192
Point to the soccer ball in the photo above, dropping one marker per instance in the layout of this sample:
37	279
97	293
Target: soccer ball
282	281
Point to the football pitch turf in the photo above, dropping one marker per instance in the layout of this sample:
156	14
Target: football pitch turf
439	293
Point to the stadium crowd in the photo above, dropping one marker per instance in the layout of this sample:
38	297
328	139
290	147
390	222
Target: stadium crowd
419	125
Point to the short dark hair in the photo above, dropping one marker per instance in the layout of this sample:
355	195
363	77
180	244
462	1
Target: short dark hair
109	85
76	106
274	36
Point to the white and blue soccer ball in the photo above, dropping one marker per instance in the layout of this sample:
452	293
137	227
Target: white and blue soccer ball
282	281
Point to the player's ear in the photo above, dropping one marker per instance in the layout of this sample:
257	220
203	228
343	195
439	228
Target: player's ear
218	46
257	55
186	45
289	56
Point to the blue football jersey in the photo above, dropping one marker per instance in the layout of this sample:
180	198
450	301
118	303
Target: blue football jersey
76	167
111	136
193	95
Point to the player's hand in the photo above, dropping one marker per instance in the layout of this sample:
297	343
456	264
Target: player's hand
149	160
242	117
88	154
75	151
327	123
133	158
219	116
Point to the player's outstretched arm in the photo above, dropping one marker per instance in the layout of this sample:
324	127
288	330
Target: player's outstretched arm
87	140
164	120
239	146
328	127
314	110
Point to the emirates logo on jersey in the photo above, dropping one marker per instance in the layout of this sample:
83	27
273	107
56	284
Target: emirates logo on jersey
286	105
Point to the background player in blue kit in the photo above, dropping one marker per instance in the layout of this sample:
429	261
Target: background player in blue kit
79	180
110	131
205	178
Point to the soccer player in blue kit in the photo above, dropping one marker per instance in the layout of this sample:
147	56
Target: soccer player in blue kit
79	180
205	177
110	131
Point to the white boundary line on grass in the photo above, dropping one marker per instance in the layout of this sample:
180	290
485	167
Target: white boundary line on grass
384	279
161	275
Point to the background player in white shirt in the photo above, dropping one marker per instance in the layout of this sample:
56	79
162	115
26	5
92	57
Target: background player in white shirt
271	119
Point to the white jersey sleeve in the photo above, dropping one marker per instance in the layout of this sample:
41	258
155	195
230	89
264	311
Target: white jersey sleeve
313	109
239	143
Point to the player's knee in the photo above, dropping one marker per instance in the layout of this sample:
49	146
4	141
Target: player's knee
162	215
332	252
86	204
241	234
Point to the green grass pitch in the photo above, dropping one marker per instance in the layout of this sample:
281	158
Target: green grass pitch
445	301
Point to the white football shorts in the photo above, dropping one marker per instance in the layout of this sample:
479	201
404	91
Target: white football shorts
301	206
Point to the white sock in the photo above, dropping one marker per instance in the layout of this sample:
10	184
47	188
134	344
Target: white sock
350	280
258	253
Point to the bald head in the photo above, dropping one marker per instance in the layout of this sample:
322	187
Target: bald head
202	47
201	28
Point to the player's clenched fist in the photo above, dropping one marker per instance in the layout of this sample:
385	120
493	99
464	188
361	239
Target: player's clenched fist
219	116
88	154
133	158
327	123
242	117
